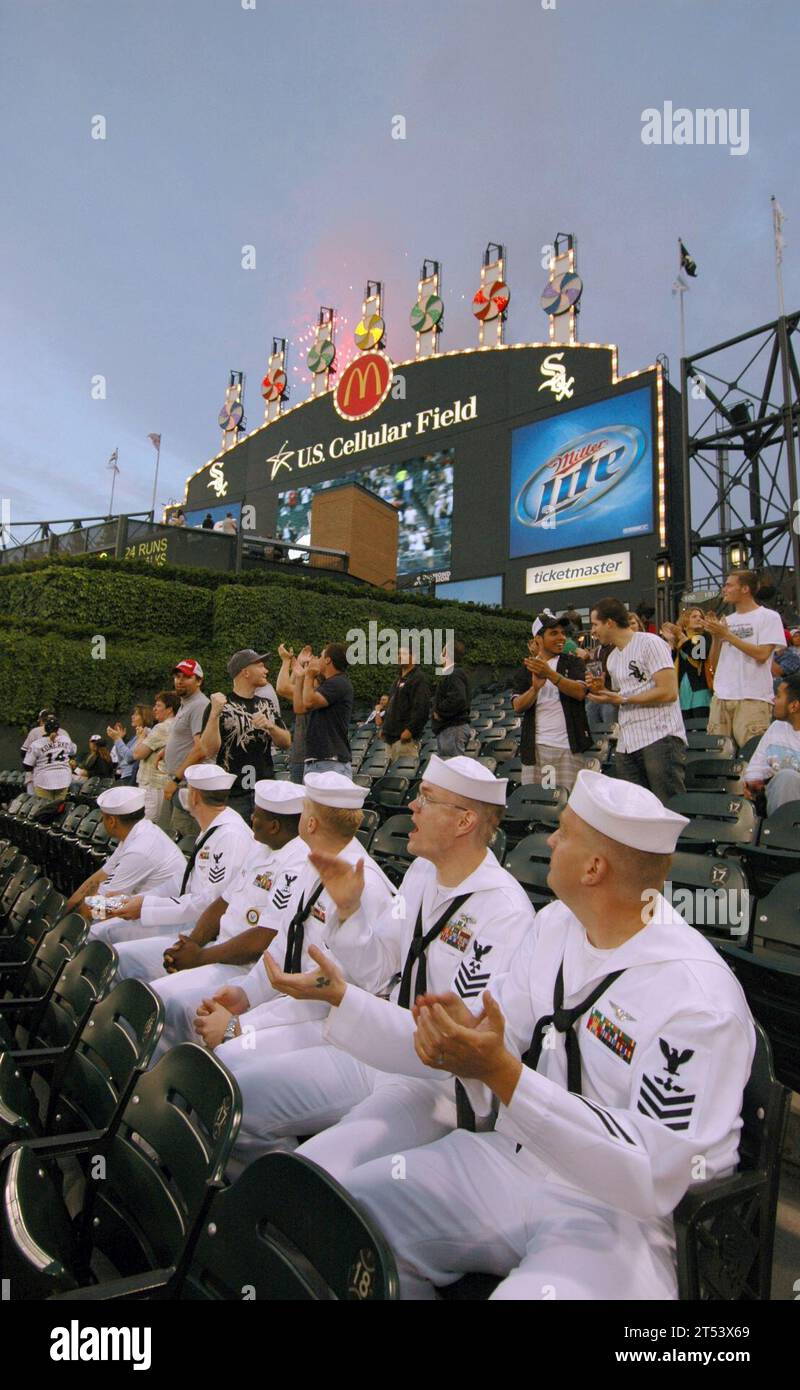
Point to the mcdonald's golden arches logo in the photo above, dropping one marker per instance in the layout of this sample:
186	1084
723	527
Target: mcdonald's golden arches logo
363	386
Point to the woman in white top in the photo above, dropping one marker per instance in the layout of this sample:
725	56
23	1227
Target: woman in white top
49	759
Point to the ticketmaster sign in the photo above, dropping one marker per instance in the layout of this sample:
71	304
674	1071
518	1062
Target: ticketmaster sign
591	569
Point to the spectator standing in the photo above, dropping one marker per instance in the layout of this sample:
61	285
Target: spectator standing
141	723
32	735
242	726
148	753
550	691
651	748
775	765
330	707
48	759
182	747
98	761
451	701
408	709
207	524
741	655
290	687
692	646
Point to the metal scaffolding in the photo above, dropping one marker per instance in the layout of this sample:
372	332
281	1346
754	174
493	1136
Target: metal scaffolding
741	417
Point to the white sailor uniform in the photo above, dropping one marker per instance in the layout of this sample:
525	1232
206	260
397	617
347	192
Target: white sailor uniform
572	1194
146	861
260	896
472	931
217	856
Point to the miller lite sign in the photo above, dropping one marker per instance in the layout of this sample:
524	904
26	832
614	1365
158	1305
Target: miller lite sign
573	486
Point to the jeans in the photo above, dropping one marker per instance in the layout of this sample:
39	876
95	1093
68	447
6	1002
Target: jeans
661	766
452	742
328	765
600	718
782	787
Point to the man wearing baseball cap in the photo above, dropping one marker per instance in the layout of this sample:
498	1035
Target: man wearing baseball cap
242	726
221	847
549	693
615	1052
457	921
182	748
145	859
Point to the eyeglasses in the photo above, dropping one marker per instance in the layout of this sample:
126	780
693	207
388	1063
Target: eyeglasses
423	799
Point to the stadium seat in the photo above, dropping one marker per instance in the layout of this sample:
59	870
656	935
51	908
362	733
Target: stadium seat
491	763
711	894
284	1231
529	863
776	920
36	978
771	982
83	980
390	792
23	878
714	820
776	851
695	723
748	749
725	1228
164	1158
498	844
33	915
115	1044
533	806
390	846
710	744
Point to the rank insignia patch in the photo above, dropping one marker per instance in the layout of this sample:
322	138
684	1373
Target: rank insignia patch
282	895
251	916
662	1097
473	976
457	934
612	1036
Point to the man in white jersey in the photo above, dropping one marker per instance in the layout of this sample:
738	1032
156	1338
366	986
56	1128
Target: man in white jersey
456	922
614	1052
651	748
222	845
741	655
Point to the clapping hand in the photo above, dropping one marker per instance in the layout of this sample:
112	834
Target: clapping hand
343	881
326	982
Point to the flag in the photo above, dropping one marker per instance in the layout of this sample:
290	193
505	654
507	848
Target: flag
112	462
778	219
687	263
155	440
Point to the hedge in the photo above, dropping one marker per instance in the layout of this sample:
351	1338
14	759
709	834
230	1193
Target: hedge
51	614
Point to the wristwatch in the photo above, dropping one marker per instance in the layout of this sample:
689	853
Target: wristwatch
230	1031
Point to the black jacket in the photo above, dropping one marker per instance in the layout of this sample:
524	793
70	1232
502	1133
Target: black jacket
451	700
408	708
573	668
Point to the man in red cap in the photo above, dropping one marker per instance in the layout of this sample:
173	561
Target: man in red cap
183	745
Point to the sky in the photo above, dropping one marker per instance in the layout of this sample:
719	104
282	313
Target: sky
231	124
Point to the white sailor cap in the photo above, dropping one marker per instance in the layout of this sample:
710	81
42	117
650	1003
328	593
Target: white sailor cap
207	777
466	777
121	801
625	812
333	789
282	798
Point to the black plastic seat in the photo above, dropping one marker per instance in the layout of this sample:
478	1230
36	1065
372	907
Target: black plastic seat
28	983
533	806
711	894
715	820
771	982
164	1157
710	744
529	863
776	853
95	1079
776	920
389	846
390	792
53	1026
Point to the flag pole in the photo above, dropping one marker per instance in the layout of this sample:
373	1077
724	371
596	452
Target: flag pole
155	479
681	293
114	472
777	226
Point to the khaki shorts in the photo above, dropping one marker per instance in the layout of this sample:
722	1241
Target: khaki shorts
739	719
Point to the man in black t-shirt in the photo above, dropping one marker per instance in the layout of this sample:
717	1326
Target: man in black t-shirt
242	726
330	707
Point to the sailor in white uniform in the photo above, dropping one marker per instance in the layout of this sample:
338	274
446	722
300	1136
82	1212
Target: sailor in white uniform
233	929
222	845
457	921
331	816
145	859
615	1050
